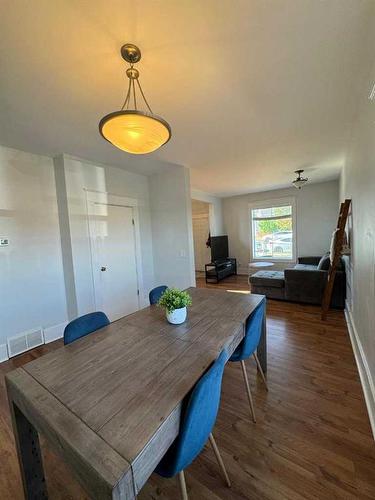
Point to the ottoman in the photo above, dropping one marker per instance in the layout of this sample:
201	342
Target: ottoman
268	283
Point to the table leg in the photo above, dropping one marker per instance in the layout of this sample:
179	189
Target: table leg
29	455
262	346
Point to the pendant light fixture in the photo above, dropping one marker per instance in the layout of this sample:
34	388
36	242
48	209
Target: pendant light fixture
299	181
130	128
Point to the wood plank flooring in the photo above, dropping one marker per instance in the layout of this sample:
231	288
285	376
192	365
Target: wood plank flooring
312	439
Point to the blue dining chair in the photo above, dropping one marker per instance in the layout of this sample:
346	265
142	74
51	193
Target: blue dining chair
156	293
248	347
197	421
84	325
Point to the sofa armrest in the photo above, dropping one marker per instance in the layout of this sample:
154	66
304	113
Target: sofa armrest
308	286
312	261
305	285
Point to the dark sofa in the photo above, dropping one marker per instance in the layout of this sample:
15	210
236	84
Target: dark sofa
303	283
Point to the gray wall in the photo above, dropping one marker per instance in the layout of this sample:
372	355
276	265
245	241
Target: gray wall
316	218
172	232
358	183
31	278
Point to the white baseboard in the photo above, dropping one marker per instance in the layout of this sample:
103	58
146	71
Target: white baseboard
54	332
3	353
367	381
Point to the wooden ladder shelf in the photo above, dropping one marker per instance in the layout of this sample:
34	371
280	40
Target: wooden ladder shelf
337	252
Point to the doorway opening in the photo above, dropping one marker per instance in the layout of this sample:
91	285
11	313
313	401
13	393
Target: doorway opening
202	224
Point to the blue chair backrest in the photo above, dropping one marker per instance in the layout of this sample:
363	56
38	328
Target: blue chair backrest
197	421
84	325
156	293
253	333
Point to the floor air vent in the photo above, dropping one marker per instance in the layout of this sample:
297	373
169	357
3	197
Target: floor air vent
25	341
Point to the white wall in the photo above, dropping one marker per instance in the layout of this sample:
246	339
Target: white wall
316	214
45	271
358	183
31	274
80	175
172	228
216	215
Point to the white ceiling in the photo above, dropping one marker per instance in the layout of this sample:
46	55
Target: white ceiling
253	89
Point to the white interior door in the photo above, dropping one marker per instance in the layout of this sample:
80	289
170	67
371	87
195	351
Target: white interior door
202	254
114	259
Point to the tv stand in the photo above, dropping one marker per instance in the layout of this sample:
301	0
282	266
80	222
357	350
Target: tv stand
220	269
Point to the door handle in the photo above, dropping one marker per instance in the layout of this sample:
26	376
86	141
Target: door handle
103	268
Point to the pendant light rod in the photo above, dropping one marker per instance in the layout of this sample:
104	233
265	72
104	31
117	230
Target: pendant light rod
144	98
134	96
133	75
127	97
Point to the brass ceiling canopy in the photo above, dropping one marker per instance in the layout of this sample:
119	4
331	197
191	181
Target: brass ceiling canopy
131	129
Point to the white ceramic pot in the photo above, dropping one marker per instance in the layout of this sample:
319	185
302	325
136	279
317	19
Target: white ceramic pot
177	316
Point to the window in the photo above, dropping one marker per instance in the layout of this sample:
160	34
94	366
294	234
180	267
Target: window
272	231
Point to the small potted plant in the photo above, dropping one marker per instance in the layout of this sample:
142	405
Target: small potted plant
175	302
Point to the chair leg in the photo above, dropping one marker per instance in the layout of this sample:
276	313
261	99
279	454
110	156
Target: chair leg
219	459
181	480
260	370
243	366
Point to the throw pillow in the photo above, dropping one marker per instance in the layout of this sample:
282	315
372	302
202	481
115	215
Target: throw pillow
333	242
324	262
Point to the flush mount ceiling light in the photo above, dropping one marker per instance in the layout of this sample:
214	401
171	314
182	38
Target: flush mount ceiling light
300	181
130	129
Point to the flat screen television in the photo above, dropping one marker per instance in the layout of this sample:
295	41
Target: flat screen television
219	248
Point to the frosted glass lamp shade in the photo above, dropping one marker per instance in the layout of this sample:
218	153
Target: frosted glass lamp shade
134	131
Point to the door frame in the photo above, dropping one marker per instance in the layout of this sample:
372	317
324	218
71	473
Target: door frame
105	198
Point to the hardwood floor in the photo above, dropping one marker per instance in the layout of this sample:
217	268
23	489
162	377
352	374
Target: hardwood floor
312	439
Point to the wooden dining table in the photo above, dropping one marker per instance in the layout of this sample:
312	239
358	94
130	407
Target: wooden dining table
110	403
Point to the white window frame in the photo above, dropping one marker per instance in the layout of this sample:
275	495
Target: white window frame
275	202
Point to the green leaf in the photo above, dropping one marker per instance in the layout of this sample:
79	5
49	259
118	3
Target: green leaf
173	298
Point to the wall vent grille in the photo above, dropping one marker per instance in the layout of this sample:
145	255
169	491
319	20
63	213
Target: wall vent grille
25	341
